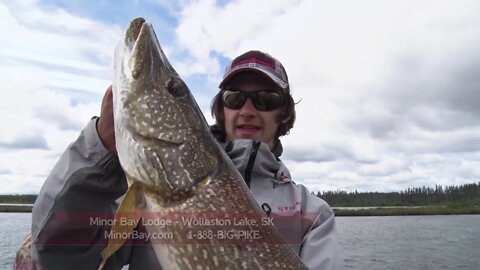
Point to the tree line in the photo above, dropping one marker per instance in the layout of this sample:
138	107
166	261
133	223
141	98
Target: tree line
467	194
24	198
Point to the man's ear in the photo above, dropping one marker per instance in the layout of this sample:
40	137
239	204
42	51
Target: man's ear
285	120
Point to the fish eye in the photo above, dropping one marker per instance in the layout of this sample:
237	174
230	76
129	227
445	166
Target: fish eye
176	88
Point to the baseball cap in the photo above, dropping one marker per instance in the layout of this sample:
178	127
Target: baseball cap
259	62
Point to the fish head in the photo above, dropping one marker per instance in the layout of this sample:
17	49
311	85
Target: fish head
162	137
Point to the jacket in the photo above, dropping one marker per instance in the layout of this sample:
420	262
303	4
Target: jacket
88	181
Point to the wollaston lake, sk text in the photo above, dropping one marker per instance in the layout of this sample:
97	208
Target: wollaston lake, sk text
185	221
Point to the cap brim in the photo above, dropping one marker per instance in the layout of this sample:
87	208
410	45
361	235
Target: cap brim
272	77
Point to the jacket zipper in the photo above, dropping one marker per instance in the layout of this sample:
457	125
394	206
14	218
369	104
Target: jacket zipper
251	162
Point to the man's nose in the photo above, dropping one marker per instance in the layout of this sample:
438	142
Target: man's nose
247	109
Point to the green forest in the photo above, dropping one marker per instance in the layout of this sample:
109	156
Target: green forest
467	194
25	199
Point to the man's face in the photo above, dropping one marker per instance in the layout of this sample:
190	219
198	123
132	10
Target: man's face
248	122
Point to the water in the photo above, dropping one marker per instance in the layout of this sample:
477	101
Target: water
373	243
411	242
14	228
16	204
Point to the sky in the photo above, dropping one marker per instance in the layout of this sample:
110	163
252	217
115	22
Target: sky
388	92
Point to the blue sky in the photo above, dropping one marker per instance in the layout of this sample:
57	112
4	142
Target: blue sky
388	90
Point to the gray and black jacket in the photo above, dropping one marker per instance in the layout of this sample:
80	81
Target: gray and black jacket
88	182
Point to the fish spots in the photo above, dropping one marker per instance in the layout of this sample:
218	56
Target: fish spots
140	201
236	255
185	260
215	259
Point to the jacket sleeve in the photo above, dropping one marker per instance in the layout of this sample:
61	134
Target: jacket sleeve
320	249
83	185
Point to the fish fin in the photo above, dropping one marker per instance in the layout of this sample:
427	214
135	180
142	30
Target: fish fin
128	212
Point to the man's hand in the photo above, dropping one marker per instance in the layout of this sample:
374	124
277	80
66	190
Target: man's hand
105	127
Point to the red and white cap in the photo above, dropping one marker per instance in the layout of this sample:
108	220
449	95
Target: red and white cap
260	62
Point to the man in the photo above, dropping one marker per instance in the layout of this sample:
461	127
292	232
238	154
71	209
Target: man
252	110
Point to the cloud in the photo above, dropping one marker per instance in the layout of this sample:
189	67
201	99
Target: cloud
52	67
389	90
26	142
382	84
53	74
26	169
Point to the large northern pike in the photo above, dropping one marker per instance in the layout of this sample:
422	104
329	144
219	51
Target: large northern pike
176	171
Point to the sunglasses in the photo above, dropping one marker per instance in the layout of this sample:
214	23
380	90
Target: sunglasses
264	100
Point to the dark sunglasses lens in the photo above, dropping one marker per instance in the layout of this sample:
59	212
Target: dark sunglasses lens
267	101
233	99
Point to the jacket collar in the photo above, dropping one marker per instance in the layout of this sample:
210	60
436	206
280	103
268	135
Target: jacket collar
219	134
265	165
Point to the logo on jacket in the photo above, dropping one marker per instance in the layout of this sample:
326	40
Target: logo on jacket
285	177
290	208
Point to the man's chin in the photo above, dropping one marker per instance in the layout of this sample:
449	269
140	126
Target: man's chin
248	134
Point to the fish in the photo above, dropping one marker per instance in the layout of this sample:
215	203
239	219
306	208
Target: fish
182	186
23	258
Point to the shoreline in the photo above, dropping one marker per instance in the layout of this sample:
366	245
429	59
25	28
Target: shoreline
409	211
16	208
377	211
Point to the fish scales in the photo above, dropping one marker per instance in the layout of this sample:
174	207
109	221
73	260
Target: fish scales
177	172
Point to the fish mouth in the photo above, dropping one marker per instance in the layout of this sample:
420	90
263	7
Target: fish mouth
155	142
143	43
134	30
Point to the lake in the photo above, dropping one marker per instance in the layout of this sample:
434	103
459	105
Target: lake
410	242
383	243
